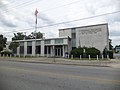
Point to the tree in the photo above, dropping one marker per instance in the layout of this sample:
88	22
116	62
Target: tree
21	36
13	46
110	45
39	35
18	36
35	35
3	41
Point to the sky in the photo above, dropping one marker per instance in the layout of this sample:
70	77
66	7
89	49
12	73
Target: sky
18	16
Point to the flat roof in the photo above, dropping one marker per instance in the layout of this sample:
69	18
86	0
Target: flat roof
65	37
84	26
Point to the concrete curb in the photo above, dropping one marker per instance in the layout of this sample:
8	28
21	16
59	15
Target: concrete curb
61	61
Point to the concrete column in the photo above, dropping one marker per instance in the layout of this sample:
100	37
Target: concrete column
80	57
42	48
89	57
60	51
25	48
53	51
33	48
71	56
18	50
97	57
47	52
63	47
102	57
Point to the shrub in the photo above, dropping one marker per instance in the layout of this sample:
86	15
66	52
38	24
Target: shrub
93	52
77	52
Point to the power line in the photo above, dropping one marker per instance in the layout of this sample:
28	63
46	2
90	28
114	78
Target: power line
69	21
28	3
61	6
22	4
75	20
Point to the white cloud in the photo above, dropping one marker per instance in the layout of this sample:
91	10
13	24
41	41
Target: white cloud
19	15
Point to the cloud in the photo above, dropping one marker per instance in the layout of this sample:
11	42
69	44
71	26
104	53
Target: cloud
1	30
44	18
21	17
6	19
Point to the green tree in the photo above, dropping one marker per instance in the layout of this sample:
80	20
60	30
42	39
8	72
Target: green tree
18	36
3	41
33	35
110	45
13	46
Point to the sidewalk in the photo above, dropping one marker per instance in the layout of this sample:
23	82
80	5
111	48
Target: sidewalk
114	63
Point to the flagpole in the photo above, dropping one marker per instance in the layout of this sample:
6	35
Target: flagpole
36	25
36	12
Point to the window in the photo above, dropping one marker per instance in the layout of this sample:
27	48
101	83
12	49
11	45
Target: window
29	47
47	42
58	41
21	43
38	49
47	50
73	35
73	29
21	47
38	43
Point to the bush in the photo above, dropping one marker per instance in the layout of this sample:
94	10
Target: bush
93	52
85	52
77	52
110	53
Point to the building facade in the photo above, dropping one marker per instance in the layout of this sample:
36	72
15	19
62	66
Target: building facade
88	36
43	47
69	38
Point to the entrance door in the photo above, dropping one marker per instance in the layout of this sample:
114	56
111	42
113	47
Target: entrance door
58	52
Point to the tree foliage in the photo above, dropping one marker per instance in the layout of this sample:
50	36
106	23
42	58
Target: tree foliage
35	35
13	45
110	45
21	36
3	41
18	36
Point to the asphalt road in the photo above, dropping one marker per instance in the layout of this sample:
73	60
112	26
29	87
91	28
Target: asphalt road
33	76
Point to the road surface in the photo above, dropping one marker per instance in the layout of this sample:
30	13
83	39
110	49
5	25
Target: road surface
36	76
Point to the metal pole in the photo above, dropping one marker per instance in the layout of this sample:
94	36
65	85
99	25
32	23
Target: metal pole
35	33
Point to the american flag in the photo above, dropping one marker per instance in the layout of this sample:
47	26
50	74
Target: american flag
36	12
